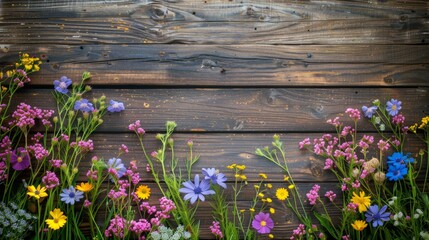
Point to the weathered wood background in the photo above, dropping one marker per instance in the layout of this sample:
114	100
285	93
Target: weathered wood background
229	72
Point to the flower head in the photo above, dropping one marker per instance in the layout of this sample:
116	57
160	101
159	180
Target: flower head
282	194
393	106
196	190
396	172
143	192
215	177
116	164
263	223
37	193
361	200
58	219
20	159
70	195
115	106
369	111
398	158
83	105
62	84
377	216
84	187
359	225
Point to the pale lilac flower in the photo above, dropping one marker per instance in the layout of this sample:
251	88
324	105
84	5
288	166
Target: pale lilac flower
215	177
115	106
393	106
369	111
70	195
62	84
196	190
83	105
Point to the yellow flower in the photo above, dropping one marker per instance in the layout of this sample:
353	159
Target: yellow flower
362	201
10	73
269	200
292	186
359	225
270	235
241	167
269	185
36	68
143	192
58	219
256	186
1	75
282	194
285	178
413	128
272	210
84	187
237	175
242	210
243	177
251	209
3	88
261	195
37	193
263	175
232	166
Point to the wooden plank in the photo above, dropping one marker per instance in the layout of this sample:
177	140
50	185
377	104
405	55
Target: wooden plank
126	30
219	10
220	150
237	110
236	65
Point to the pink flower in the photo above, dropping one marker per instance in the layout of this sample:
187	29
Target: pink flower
38	151
86	203
398	119
334	122
304	143
329	164
313	194
383	145
263	223
123	148
50	180
116	227
215	229
140	226
93	175
299	231
56	163
331	195
353	113
86	146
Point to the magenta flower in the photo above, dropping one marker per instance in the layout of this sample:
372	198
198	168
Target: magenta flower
263	223
20	161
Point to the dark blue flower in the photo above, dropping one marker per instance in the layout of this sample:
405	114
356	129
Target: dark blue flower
393	106
376	216
398	158
214	175
369	111
196	190
70	195
396	172
62	84
83	105
115	106
116	163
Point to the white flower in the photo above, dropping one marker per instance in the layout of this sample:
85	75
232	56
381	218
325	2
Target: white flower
419	211
416	216
396	223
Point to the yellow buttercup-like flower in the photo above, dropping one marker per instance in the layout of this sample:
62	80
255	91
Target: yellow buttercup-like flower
37	193
359	225
263	175
362	201
272	210
143	192
241	167
84	187
282	194
58	219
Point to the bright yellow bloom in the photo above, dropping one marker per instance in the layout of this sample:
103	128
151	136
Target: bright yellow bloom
241	167
269	185
84	187
263	175
261	195
237	175
232	166
270	235
251	209
242	210
58	219
10	73
359	225
269	200
285	178
362	201
413	128
143	192
282	194
37	193
36	68
292	186
256	186
243	177
272	210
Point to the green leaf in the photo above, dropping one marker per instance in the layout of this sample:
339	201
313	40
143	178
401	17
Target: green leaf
324	220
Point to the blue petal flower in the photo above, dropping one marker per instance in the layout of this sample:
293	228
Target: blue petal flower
117	164
376	216
196	190
83	105
70	195
369	111
398	158
396	172
115	106
214	175
62	84
393	106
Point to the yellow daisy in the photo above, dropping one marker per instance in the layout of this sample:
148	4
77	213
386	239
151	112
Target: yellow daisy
143	192
359	225
37	193
58	219
263	175
282	194
84	187
362	201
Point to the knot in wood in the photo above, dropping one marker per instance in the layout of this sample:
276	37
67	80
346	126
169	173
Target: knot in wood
158	12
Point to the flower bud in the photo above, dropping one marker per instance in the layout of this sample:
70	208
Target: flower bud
355	172
63	166
100	121
55	119
190	143
376	102
75	170
94	159
379	177
159	136
171	124
276	137
86	76
103	98
382	127
85	115
171	142
88	88
71	113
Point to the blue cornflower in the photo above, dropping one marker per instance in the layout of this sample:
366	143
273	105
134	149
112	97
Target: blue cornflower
196	189
116	163
70	195
214	175
377	216
115	106
62	84
369	111
396	172
83	105
398	158
393	106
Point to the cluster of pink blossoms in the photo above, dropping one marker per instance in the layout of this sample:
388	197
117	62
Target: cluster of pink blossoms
25	116
136	127
215	229
5	151
50	180
313	194
298	232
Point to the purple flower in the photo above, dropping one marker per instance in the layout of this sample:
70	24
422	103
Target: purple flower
369	111
263	223
196	189
70	195
398	158
115	106
62	84
214	175
377	216
396	172
116	164
83	105
393	106
20	161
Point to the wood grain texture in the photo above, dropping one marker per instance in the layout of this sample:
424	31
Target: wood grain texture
236	65
219	10
128	30
236	110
